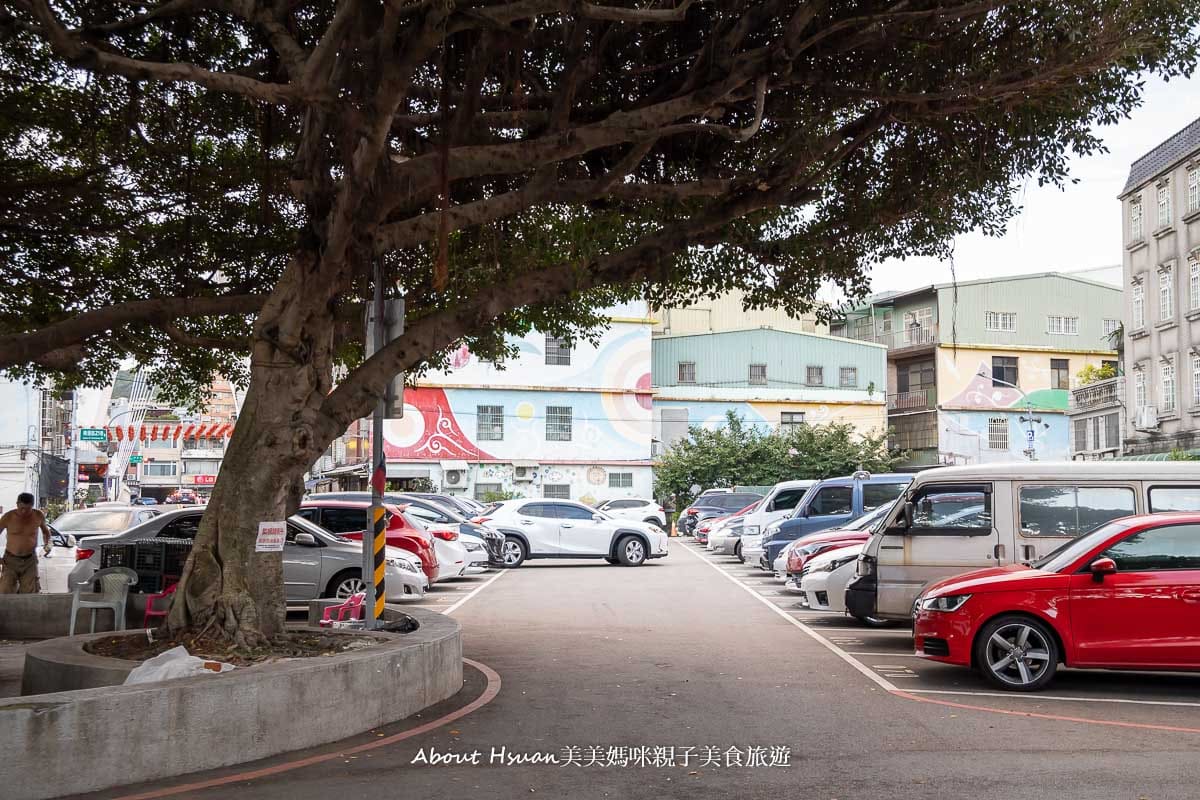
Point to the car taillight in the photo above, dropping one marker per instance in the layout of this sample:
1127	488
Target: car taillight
448	536
691	512
481	520
83	554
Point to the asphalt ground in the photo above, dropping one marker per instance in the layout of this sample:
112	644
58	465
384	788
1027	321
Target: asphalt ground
599	665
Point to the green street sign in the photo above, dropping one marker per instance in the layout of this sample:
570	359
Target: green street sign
92	435
135	459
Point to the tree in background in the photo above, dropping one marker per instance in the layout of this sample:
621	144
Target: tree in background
1092	374
208	185
737	454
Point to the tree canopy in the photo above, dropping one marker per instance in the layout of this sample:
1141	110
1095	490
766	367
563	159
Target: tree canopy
741	454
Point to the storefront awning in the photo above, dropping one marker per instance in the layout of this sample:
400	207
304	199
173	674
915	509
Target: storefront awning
528	464
349	469
171	431
459	465
407	471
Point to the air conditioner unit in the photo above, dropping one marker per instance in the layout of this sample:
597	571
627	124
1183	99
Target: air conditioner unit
455	477
1147	418
522	473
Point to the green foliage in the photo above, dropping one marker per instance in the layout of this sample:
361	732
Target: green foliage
1091	374
499	497
1182	455
740	454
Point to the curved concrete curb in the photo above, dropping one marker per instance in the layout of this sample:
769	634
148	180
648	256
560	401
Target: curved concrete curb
41	616
97	738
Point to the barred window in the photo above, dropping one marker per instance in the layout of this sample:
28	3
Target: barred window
814	376
1135	219
620	480
482	490
789	420
998	433
556	491
687	372
558	352
558	423
1000	321
1081	428
758	374
848	377
489	423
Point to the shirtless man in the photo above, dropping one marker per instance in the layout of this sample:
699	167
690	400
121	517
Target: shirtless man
19	571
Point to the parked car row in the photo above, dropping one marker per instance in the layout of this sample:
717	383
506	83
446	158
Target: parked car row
1010	569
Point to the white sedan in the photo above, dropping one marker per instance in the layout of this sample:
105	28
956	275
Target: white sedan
824	578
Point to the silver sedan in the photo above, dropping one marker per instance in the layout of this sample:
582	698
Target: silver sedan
316	563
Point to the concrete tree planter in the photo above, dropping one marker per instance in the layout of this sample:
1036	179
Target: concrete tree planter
103	735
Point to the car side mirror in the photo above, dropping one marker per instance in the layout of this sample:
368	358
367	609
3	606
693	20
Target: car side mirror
1101	567
908	515
305	540
71	540
597	518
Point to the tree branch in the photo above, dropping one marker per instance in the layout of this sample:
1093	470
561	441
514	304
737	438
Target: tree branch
31	347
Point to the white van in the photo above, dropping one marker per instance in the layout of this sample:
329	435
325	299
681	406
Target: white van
955	519
778	504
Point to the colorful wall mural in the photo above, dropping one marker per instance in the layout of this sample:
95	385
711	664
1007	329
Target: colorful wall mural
964	378
968	437
711	414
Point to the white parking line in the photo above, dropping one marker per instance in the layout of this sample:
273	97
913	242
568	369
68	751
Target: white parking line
474	592
839	652
1064	698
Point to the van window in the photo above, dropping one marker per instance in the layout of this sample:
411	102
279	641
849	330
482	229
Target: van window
880	494
1174	498
1071	510
832	500
787	499
954	510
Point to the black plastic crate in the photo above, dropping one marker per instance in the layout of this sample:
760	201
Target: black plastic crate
150	556
175	555
118	554
150	582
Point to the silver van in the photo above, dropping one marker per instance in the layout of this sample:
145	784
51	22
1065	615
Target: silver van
956	519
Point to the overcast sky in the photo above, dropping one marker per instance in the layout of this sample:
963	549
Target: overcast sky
1065	230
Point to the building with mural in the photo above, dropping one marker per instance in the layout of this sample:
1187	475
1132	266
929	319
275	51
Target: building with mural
980	371
771	378
727	312
562	421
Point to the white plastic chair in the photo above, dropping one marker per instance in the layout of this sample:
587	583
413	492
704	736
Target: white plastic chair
114	589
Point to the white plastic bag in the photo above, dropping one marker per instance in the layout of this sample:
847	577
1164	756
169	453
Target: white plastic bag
175	663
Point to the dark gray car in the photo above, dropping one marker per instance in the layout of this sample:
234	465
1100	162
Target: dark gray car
316	563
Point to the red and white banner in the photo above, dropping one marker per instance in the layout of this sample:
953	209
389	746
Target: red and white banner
171	431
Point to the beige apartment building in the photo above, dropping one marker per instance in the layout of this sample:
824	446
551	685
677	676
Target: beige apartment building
1161	269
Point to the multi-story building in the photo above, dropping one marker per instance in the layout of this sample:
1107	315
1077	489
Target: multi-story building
1097	415
728	313
34	443
562	421
1161	266
771	378
980	371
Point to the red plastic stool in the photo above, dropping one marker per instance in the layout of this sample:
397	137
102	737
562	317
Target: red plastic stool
151	611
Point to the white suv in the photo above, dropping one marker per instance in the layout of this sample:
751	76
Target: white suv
635	508
540	528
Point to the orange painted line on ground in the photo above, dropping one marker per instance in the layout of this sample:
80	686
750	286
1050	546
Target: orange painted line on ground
1055	717
489	694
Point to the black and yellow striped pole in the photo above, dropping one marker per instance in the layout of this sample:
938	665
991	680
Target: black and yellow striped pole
378	537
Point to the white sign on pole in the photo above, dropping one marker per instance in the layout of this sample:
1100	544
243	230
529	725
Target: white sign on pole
271	536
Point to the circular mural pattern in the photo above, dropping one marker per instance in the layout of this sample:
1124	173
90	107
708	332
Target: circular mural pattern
595	476
524	411
406	431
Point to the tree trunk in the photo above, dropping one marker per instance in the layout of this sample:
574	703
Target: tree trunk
227	588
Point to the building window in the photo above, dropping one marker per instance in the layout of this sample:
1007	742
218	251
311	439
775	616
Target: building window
814	376
1135	219
558	423
1166	375
620	480
686	371
1005	321
1112	433
1193	176
1060	373
482	490
1195	379
489	423
558	352
758	374
158	470
1081	426
1138	303
1194	281
789	420
998	433
1166	292
918	326
1068	326
1110	326
1164	204
1139	389
1004	368
556	491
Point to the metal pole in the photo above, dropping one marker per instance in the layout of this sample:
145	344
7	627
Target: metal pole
72	467
373	547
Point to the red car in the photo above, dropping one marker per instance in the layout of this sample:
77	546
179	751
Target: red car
1125	596
349	518
703	528
816	543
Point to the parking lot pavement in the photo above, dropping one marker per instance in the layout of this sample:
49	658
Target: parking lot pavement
1168	699
698	652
